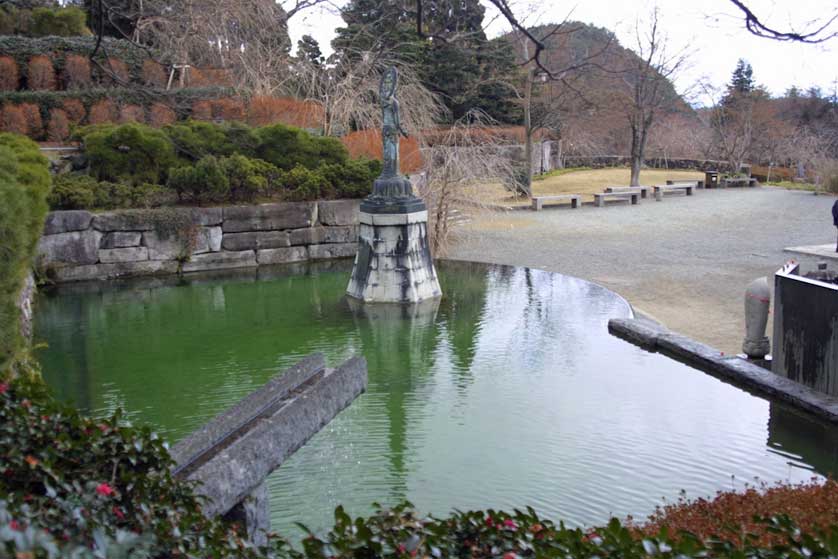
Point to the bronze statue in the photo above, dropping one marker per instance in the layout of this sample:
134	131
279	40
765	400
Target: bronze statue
391	123
391	191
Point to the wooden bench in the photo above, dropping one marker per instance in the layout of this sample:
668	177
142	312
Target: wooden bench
600	198
538	201
695	183
660	189
644	190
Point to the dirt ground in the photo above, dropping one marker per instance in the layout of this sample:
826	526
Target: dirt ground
684	261
583	182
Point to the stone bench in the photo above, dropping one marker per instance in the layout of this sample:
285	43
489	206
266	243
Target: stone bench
695	183
600	198
660	189
538	201
644	190
744	181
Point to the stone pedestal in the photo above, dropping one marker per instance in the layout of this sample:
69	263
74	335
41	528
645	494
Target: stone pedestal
394	263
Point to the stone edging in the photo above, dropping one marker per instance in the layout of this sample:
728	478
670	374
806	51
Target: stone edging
654	337
79	245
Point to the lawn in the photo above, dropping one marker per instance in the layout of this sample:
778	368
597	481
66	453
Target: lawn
585	182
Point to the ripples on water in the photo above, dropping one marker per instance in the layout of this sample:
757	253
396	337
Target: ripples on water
508	392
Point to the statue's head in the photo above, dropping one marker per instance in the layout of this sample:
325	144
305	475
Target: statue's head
389	81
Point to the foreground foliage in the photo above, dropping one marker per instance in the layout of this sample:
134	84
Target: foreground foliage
24	183
72	486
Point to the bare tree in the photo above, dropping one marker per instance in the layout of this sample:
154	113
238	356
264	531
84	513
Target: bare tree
817	31
347	88
647	86
460	161
542	110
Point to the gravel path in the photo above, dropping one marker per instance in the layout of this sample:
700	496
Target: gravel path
684	261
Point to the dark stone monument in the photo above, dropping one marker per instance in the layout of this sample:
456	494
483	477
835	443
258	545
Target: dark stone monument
393	263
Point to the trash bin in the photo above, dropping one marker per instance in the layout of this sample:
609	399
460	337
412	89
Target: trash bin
711	179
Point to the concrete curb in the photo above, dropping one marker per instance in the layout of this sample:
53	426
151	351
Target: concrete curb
654	337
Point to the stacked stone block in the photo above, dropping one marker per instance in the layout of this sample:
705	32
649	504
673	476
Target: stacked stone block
80	245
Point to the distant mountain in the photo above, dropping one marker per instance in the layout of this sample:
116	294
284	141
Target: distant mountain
588	104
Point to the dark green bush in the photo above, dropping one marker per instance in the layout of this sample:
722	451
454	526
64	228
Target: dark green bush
132	153
203	182
248	177
352	179
301	183
58	22
73	191
208	162
194	139
24	185
287	147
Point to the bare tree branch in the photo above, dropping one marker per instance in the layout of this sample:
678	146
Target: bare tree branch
819	34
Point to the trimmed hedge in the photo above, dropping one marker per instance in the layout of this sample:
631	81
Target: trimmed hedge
21	49
99	105
203	162
24	185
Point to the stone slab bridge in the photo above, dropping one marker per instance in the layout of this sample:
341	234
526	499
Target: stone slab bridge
232	454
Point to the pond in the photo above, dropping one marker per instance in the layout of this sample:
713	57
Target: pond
507	392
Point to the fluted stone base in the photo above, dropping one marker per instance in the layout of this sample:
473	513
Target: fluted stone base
393	263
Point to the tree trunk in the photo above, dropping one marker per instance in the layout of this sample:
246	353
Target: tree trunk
527	187
636	157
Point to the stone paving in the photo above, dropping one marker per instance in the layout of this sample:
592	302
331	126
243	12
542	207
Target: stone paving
684	261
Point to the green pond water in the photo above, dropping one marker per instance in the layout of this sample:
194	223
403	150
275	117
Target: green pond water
507	392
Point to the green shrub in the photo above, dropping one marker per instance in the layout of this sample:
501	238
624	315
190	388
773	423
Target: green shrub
352	179
203	182
248	177
59	22
74	191
24	185
194	139
287	147
132	153
304	184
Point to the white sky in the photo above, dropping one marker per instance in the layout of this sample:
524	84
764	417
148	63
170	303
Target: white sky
712	30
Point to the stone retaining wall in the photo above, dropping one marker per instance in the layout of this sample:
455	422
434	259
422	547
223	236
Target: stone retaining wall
80	245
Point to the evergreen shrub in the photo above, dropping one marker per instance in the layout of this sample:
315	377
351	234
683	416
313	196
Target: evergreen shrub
132	153
58	22
205	181
24	185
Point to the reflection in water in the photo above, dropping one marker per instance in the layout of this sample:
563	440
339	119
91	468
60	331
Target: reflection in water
405	338
507	392
806	443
